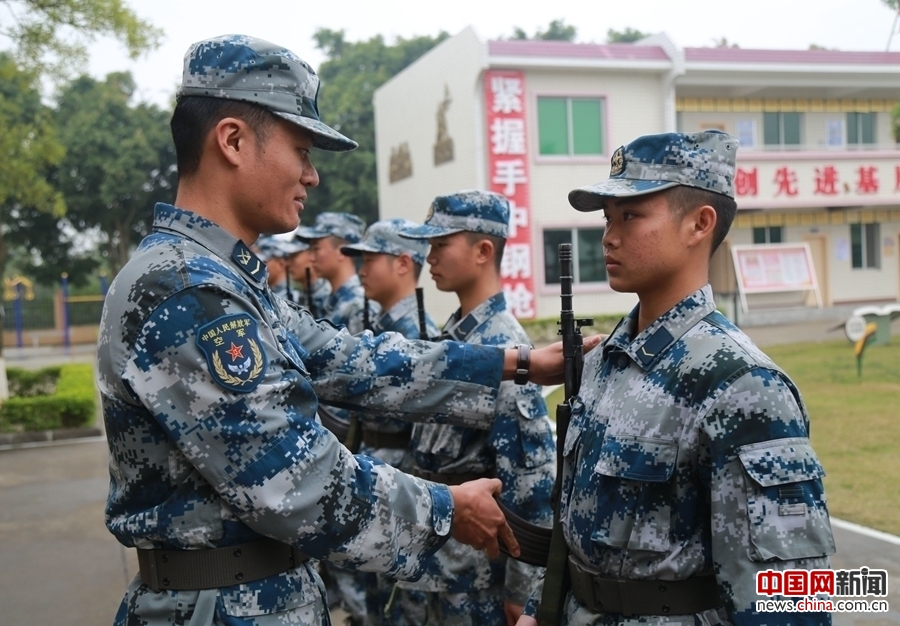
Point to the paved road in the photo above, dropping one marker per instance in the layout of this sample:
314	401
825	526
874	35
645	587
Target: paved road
61	566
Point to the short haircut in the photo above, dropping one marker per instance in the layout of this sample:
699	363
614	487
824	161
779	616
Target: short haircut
683	199
195	116
499	244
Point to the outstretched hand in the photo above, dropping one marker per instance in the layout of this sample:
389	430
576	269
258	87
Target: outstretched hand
478	521
548	363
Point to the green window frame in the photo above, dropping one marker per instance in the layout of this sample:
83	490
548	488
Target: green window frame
768	234
782	128
588	266
569	126
864	246
860	129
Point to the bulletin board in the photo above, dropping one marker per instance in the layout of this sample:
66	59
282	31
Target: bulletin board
772	268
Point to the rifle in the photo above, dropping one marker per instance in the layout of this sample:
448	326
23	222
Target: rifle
367	323
420	305
309	294
557	580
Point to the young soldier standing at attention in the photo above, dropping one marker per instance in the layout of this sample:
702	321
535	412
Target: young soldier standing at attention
467	232
313	296
688	466
389	273
346	304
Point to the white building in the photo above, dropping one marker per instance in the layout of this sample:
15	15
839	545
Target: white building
534	119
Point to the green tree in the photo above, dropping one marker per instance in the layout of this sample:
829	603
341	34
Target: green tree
119	162
349	78
892	4
557	30
51	35
629	35
28	148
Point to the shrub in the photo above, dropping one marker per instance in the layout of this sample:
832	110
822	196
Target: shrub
72	405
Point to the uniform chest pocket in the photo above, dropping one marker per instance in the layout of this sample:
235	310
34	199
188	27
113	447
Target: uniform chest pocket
635	492
534	428
785	500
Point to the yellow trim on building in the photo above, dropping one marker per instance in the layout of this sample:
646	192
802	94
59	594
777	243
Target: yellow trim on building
756	219
800	105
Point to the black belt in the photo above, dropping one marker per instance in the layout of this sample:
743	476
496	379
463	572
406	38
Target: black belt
189	570
448	478
642	597
377	439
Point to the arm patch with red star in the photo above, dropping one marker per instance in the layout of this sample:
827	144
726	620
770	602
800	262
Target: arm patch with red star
233	352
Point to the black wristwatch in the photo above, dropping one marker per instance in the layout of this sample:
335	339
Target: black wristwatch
523	362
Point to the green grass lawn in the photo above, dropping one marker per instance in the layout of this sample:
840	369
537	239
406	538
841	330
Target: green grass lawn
854	425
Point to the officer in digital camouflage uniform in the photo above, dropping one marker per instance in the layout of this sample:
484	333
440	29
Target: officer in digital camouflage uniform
220	474
311	297
688	465
276	253
467	232
389	273
346	305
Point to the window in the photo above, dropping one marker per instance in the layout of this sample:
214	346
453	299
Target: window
864	248
588	265
570	126
860	128
746	130
767	234
781	129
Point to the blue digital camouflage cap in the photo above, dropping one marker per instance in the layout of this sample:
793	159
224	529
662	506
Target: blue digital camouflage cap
384	237
344	226
705	160
239	67
472	210
268	247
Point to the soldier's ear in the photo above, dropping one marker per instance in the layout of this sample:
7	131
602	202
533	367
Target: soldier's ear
230	138
404	264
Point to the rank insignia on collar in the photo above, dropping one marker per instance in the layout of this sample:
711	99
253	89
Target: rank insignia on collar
247	261
617	163
233	352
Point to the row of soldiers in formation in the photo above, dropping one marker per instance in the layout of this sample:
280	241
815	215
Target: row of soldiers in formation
367	281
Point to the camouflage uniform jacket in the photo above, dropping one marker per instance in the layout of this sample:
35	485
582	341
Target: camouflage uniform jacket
518	449
688	453
345	306
321	289
203	455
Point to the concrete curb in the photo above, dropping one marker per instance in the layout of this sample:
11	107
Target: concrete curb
9	441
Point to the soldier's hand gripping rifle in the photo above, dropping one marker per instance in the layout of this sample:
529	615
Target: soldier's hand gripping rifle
556	580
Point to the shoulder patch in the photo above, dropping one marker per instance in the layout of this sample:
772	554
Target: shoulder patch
233	352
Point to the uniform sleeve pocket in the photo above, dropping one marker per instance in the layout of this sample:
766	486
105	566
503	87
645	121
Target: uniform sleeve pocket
534	428
785	501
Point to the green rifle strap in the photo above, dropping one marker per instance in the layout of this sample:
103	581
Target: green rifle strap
354	434
556	580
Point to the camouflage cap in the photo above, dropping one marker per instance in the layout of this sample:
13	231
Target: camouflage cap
705	160
269	247
472	210
344	226
384	237
244	68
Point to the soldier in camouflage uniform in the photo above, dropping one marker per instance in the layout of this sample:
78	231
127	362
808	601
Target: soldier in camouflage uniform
389	273
276	254
688	467
346	304
467	232
220	474
314	297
